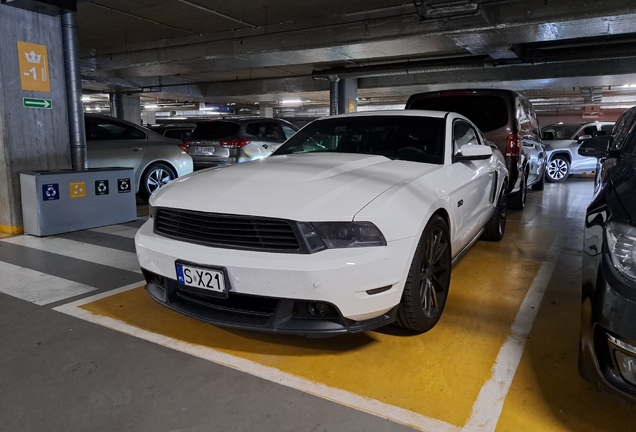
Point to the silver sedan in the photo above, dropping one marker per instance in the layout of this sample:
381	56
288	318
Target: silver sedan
156	159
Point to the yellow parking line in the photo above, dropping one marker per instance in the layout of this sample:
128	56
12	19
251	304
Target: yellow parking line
437	375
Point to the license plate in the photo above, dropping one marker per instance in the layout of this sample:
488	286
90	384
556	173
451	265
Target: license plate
202	278
204	149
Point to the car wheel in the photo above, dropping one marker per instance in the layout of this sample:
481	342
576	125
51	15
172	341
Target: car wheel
558	169
155	176
428	280
517	200
494	229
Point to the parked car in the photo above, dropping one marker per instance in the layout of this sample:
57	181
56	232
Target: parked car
507	119
607	354
352	224
223	142
180	131
113	142
562	142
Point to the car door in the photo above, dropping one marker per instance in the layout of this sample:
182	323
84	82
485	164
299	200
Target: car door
581	163
111	143
472	198
532	145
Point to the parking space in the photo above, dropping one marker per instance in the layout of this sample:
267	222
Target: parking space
503	356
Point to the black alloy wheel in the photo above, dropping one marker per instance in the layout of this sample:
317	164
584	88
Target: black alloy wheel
496	226
428	281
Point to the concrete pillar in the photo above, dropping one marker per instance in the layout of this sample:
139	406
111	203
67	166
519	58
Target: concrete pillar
348	95
34	138
126	107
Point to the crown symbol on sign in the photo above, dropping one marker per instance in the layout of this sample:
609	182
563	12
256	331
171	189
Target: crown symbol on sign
32	57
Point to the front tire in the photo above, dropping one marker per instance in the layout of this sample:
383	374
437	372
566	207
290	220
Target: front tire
518	199
494	229
155	176
427	283
558	169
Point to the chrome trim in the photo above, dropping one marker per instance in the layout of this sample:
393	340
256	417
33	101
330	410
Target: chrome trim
620	344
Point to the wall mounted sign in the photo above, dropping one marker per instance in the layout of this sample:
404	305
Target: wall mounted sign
101	187
123	185
50	192
78	189
34	67
37	103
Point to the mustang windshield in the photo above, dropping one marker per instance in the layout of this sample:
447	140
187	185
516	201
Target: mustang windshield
417	139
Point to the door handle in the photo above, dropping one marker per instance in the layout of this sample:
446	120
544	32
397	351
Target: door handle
136	149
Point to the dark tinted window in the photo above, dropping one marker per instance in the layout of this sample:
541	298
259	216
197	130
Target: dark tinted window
622	128
561	131
488	112
178	134
418	139
265	130
607	128
105	129
215	130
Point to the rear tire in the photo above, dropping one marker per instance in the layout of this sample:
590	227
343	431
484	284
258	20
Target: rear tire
155	176
496	226
427	283
517	200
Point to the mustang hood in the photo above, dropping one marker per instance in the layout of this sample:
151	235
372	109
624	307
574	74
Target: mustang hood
308	187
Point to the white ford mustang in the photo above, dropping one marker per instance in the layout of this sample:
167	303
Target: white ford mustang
352	224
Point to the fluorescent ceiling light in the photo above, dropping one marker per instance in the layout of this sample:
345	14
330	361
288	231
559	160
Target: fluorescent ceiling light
291	101
151	106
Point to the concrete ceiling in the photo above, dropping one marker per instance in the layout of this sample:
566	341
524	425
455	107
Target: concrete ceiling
567	55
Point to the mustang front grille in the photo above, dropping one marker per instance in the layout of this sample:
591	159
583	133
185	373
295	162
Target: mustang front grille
228	231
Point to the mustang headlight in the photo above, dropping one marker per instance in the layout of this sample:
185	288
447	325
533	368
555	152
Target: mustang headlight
349	234
621	243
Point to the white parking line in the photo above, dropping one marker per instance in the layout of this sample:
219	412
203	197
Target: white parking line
37	287
83	251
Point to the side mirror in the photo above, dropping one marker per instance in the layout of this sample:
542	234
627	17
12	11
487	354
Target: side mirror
584	137
596	147
469	152
548	136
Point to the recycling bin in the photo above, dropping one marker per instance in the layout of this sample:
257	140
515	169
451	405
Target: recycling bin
55	202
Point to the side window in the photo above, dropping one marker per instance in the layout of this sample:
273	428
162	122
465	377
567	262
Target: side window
590	130
463	134
101	130
288	131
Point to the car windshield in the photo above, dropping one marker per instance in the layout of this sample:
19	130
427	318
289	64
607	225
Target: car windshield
488	112
559	131
417	139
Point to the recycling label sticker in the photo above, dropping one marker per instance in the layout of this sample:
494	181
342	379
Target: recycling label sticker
78	189
123	185
101	187
50	192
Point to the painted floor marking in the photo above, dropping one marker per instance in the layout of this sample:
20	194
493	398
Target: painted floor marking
118	230
372	406
83	251
486	409
36	287
489	404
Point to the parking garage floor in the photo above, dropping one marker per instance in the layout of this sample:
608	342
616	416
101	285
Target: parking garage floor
85	349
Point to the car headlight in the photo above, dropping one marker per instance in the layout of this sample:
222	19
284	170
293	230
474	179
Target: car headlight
349	234
621	243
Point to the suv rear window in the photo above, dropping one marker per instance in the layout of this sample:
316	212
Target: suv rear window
215	130
488	112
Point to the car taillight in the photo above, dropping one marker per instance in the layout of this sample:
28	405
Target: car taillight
513	146
185	146
234	143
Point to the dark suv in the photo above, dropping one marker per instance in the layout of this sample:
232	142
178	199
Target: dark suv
226	141
507	119
607	350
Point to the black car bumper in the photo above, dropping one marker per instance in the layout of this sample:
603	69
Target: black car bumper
608	328
264	314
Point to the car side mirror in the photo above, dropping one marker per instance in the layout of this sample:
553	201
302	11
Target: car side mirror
584	137
469	152
596	147
549	136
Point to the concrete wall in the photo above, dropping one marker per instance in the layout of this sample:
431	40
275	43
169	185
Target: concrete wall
30	139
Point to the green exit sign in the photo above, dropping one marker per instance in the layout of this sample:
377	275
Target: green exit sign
37	103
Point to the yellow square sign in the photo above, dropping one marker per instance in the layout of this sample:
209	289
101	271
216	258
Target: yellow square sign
34	67
78	189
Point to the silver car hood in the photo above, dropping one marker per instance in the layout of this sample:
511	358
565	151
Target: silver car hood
557	144
309	187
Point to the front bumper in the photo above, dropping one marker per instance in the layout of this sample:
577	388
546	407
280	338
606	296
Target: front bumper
608	325
345	279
